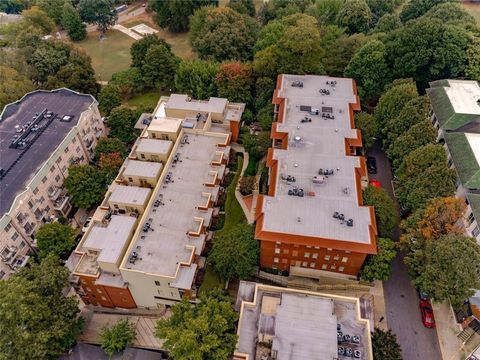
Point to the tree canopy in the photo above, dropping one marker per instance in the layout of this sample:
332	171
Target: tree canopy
72	22
201	332
385	209
416	8
110	145
129	82
355	15
159	67
197	78
222	34
385	345
235	82
235	253
86	185
99	12
379	266
138	50
12	85
109	98
38	321
246	7
365	122
55	238
121	123
117	337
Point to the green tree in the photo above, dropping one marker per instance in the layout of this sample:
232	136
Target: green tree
109	164
326	11
174	14
72	22
12	6
385	345
235	253
53	8
197	78
246	7
451	12
387	23
210	323
416	8
47	59
99	12
86	185
385	209
379	266
366	123
445	275
121	123
472	69
117	337
56	239
355	15
418	135
159	67
247	184
110	145
12	85
264	87
235	82
380	8
391	103
38	321
222	34
139	48
109	98
128	81
265	117
369	68
256	145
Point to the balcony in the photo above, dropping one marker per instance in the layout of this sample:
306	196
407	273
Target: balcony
20	262
62	205
54	193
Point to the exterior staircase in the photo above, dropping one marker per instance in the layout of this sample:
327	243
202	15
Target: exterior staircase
466	334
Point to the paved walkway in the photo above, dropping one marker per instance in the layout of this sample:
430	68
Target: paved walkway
128	32
248	212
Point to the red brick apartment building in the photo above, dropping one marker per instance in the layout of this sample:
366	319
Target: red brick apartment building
313	219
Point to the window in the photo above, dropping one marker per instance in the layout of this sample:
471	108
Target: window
104	298
74	140
317	247
309	247
44	180
275	260
286	251
284	261
333	267
327	258
324	267
344	259
8	227
59	160
278	243
470	219
35	191
306	255
312	265
347	252
99	291
64	168
314	256
52	169
47	208
57	178
296	245
66	150
294	253
277	251
476	231
130	179
77	150
142	156
30	204
304	264
157	282
41	200
22	245
2	274
336	257
341	269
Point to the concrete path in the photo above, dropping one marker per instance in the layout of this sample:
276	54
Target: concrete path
238	195
128	32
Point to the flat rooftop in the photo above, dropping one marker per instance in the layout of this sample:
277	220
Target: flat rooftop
133	195
165	124
315	146
301	325
22	163
153	146
172	212
110	239
183	102
463	95
146	169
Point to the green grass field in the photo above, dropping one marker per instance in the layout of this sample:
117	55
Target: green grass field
109	55
474	10
147	100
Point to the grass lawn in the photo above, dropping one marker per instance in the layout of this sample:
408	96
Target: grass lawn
145	100
109	55
473	9
211	280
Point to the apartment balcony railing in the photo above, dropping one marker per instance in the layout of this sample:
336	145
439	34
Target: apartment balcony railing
54	193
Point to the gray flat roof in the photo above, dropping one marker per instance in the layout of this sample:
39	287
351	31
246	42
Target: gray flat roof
167	243
134	195
22	168
146	169
154	146
111	239
315	145
183	102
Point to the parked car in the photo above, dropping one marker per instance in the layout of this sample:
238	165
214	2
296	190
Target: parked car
376	183
371	165
428	319
422	295
86	225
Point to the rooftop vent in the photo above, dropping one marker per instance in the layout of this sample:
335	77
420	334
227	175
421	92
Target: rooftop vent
67	118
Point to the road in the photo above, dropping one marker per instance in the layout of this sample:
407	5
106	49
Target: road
403	314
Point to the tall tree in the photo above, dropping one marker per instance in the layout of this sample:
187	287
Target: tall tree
235	253
355	15
264	87
174	14
210	323
110	145
109	98
472	69
47	59
159	67
385	209
12	6
379	266
369	68
56	239
12	85
139	48
99	12
109	164
246	7
451	12
385	345
128	81
365	122
53	8
121	124
380	8
416	8
222	34
326	11
72	22
197	78
451	270
86	185
387	23
118	337
38	322
235	82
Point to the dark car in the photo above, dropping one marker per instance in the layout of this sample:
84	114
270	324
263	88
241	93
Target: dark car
371	165
428	319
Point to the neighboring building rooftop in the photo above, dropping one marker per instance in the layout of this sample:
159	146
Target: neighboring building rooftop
455	102
147	169
298	325
154	146
165	124
27	120
184	102
315	145
129	194
173	213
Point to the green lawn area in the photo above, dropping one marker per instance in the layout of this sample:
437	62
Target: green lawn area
211	280
146	100
109	55
474	10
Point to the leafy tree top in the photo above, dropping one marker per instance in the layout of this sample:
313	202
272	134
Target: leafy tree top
379	266
121	123
385	345
118	337
197	78
55	238
86	185
355	15
110	145
385	209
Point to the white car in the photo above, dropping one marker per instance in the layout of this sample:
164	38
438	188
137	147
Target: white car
86	225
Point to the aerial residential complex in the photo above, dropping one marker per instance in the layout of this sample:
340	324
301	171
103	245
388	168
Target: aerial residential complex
41	135
313	219
283	324
144	246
